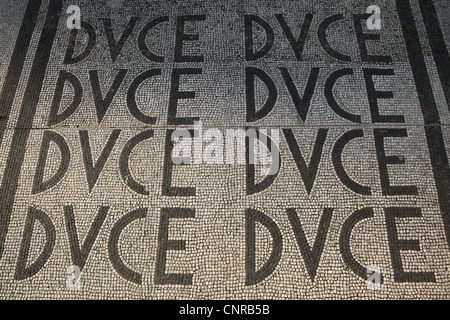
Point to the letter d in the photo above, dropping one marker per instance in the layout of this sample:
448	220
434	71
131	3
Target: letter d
23	272
38	184
254	276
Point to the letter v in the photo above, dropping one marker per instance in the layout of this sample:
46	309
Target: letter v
79	257
102	104
115	47
309	172
301	104
297	45
311	257
93	172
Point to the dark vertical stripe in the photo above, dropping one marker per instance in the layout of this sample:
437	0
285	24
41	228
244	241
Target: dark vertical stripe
16	63
437	44
436	146
27	111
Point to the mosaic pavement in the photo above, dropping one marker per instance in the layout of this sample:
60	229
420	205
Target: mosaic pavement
94	205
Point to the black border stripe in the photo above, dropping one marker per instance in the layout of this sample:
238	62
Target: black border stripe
27	112
435	141
437	44
16	62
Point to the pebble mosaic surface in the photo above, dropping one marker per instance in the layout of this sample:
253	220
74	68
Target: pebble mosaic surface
93	206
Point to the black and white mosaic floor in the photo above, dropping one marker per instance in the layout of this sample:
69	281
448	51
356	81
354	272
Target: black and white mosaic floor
224	149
